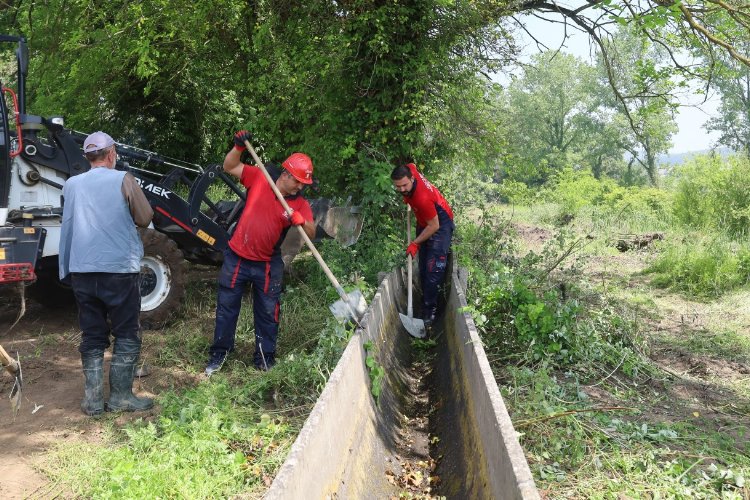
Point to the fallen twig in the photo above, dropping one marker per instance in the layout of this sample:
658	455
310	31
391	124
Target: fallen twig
524	423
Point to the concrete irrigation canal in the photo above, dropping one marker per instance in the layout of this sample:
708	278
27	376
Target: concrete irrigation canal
439	426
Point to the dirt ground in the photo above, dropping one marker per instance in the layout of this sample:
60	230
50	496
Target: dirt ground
47	343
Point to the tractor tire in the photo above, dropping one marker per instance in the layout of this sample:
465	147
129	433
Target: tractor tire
48	290
162	278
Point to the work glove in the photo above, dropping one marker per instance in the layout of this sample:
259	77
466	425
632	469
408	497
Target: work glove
297	219
412	249
240	138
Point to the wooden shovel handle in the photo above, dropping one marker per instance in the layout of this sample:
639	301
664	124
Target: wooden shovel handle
8	362
410	305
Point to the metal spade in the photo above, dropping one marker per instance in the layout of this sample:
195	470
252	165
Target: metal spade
414	326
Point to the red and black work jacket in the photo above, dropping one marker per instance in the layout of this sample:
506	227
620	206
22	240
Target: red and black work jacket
426	200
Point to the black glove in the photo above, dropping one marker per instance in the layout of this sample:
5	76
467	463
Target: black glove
240	138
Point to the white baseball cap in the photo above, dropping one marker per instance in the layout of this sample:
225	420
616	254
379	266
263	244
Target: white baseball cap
97	141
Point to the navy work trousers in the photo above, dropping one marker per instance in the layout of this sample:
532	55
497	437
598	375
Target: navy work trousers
107	302
433	261
265	278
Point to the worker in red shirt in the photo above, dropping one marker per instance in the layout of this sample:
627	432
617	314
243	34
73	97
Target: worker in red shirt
434	232
254	254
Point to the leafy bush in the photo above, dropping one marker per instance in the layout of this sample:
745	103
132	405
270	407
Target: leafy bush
515	192
712	192
573	189
638	201
532	308
541	323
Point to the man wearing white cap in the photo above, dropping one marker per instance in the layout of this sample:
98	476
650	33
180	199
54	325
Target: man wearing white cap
101	251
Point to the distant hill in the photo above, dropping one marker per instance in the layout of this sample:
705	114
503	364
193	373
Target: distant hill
678	158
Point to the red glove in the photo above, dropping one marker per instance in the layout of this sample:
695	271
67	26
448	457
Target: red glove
240	138
412	249
297	219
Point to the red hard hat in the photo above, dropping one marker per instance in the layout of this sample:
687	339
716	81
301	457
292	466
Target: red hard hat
300	166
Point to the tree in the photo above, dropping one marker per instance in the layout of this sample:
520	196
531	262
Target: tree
550	111
732	81
636	70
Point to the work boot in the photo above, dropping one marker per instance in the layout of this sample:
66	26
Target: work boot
215	363
93	390
121	373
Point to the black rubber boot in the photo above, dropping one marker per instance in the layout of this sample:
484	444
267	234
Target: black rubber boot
93	390
121	373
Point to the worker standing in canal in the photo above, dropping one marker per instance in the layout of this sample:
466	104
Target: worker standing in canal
434	232
254	253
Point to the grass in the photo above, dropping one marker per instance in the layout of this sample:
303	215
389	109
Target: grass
218	437
723	344
619	451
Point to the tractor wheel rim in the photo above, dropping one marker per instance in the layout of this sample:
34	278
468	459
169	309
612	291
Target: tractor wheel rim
155	282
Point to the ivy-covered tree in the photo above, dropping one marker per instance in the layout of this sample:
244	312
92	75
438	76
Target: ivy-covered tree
356	84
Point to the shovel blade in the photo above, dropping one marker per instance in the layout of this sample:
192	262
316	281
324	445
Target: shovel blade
344	224
343	311
414	326
15	392
15	398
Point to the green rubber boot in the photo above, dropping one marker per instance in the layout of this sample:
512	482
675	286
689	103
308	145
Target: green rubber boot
121	373
93	390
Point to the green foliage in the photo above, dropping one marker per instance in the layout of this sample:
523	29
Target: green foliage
702	267
543	323
640	71
574	189
634	201
550	109
732	80
359	86
605	203
515	192
574	451
712	193
376	372
531	308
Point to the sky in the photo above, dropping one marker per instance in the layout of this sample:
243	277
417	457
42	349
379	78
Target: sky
692	115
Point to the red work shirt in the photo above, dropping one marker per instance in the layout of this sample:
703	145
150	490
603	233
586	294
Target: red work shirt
264	222
425	199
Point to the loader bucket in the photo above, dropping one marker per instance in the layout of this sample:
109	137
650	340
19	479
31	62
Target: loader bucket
344	224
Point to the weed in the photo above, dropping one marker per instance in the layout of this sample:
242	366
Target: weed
226	436
376	372
702	267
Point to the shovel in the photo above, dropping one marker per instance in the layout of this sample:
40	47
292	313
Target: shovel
414	326
13	367
351	306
